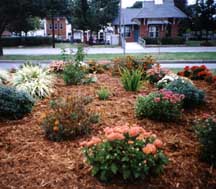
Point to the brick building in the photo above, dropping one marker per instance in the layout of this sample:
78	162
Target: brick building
156	19
60	27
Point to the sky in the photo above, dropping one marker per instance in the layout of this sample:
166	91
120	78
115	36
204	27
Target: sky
128	3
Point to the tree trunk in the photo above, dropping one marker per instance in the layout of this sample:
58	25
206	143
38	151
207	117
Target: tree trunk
1	48
53	32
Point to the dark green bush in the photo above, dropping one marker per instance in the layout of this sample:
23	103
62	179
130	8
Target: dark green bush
193	96
172	40
25	41
206	132
14	104
73	74
152	41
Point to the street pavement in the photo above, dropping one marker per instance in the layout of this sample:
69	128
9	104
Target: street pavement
130	48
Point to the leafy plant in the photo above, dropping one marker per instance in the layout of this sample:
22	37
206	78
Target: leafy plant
80	54
94	67
156	73
63	54
103	94
162	105
34	80
193	96
205	129
4	77
14	104
57	66
131	80
124	152
73	74
67	119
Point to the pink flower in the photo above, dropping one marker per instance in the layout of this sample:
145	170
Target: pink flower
134	131
158	143
205	116
150	149
115	136
157	100
83	143
108	130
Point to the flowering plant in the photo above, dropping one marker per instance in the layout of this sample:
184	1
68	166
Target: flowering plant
4	77
193	96
57	66
162	105
205	129
67	119
157	73
127	152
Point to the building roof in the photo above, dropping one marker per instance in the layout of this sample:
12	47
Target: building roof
165	10
150	10
127	16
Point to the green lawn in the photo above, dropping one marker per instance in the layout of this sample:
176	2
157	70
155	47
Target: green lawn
162	56
197	43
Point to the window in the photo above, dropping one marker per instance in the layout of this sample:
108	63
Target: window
61	26
127	31
56	26
50	26
153	32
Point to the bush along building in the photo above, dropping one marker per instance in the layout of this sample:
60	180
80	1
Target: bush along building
156	19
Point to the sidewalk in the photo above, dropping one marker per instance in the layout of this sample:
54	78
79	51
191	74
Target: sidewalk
117	50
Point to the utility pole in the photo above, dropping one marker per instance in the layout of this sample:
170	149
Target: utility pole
121	33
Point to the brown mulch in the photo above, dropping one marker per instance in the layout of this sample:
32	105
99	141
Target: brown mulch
28	160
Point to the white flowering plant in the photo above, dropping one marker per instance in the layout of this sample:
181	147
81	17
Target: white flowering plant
4	77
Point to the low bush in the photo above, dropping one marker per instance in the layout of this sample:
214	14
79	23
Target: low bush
67	119
25	41
206	131
131	80
57	66
162	105
93	67
172	40
103	94
166	80
14	104
156	73
193	96
73	74
34	80
152	41
128	153
4	77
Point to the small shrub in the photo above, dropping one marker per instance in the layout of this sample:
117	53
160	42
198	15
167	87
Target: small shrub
162	105
34	80
166	80
103	94
4	77
73	74
206	131
14	104
93	67
67	119
172	40
156	73
193	96
131	80
128	153
80	54
57	66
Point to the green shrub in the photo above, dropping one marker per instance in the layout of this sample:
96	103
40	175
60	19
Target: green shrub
14	104
103	94
80	54
73	74
162	105
25	41
172	40
193	96
152	41
128	153
34	80
131	80
68	119
206	130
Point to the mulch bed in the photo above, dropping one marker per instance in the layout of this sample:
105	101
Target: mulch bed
28	160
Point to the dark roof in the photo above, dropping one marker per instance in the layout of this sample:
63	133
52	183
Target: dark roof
150	10
127	16
165	10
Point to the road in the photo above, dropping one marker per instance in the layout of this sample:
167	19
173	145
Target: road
130	49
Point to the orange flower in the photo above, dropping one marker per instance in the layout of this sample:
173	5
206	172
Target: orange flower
56	123
150	149
55	129
158	143
130	142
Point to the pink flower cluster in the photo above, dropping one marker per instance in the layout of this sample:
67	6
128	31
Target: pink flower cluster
170	96
157	70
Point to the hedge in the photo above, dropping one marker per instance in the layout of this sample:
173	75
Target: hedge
165	41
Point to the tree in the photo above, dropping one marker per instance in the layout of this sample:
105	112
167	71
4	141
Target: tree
137	4
181	4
